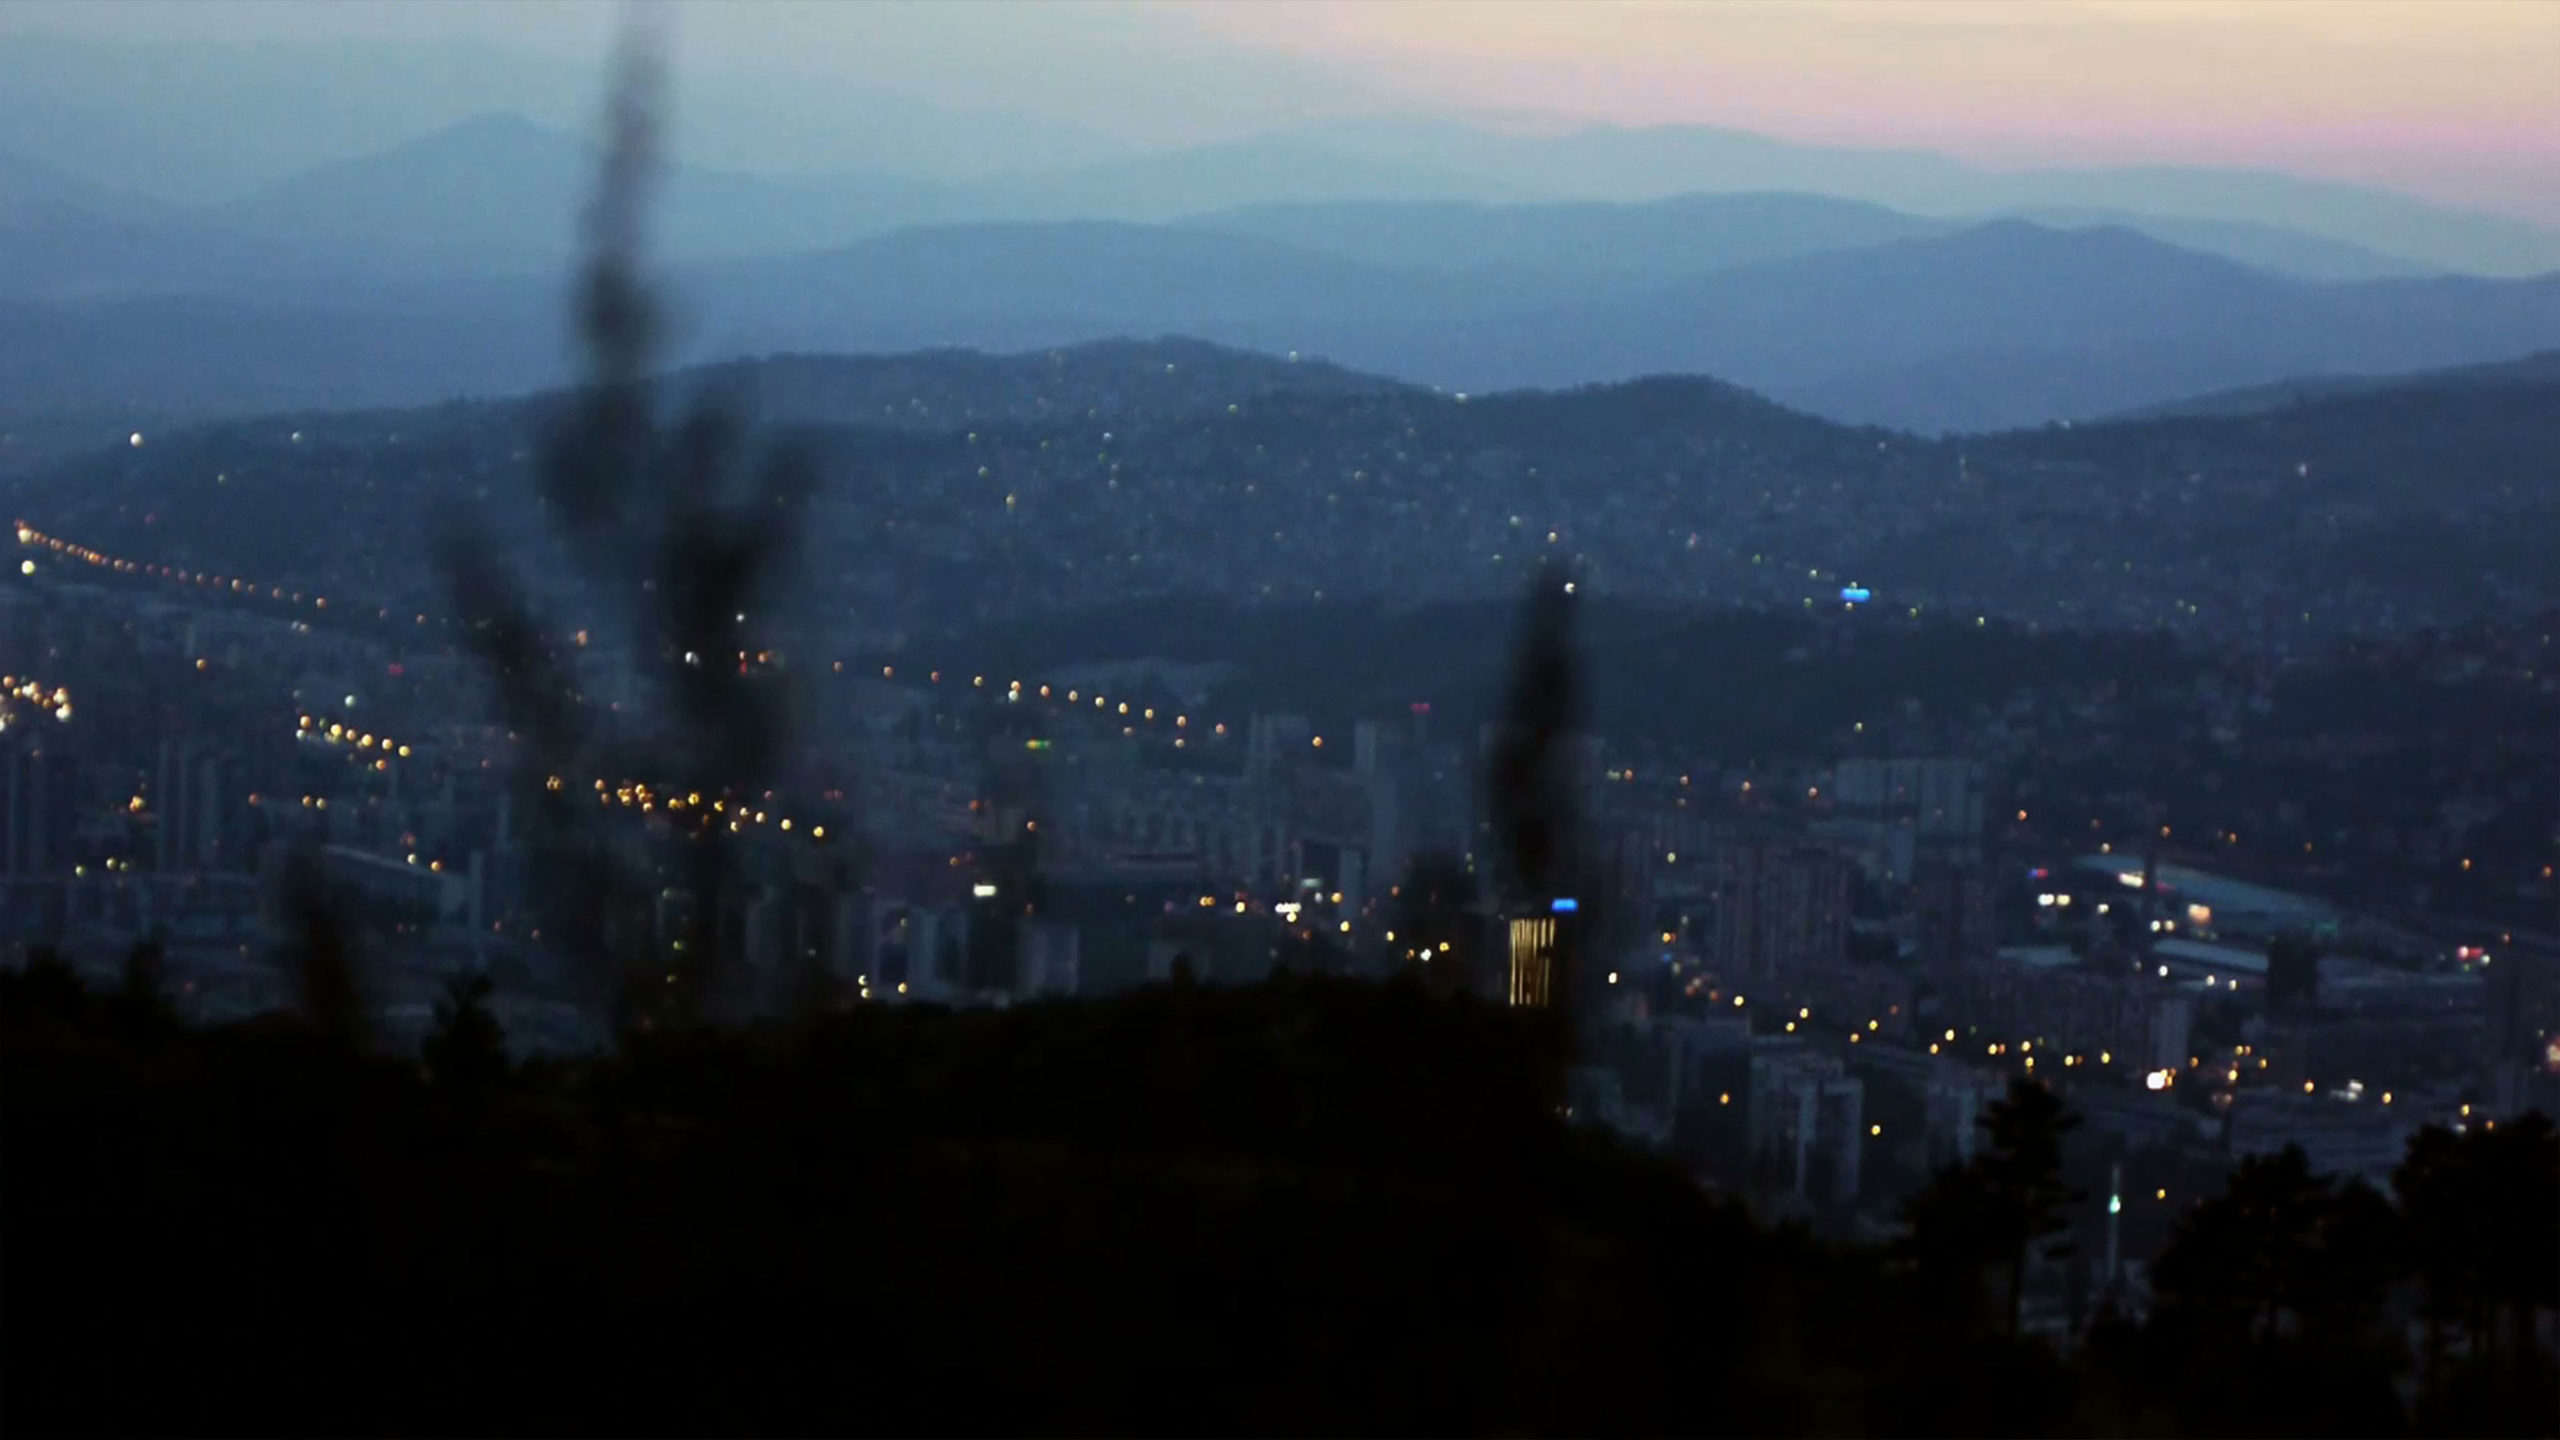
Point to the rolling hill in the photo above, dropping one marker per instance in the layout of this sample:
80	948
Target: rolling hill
2542	368
957	489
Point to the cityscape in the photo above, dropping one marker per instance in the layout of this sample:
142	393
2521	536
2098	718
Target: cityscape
1141	883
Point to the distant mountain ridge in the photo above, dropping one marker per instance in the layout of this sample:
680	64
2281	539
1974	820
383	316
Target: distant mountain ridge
1931	333
2011	323
1680	235
1698	232
132	115
1612	163
1984	327
32	192
498	193
2540	368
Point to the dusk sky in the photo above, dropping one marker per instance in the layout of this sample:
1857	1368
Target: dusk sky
2459	102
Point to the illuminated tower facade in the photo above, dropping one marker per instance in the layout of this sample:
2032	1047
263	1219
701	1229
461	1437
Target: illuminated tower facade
1533	960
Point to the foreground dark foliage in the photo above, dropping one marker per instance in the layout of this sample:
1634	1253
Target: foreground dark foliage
1313	1206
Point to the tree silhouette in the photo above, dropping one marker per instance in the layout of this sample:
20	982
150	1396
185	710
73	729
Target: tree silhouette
321	960
1955	1236
2026	1201
1998	1212
2360	1252
47	985
2280	1252
1434	915
1532	799
465	1055
141	998
687	543
2482	1218
1529	785
146	973
2270	1297
2293	972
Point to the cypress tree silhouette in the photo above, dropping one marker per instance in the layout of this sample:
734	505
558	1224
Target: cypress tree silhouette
1528	787
1532	800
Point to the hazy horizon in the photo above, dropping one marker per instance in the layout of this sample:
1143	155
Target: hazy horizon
228	203
2448	103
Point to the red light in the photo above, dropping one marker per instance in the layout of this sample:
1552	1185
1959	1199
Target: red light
399	669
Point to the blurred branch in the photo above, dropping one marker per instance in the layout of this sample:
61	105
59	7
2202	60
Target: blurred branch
658	538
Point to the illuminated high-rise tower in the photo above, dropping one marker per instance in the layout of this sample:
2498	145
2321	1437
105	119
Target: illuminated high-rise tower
1533	960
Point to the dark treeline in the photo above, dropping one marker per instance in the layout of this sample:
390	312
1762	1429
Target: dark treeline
1310	1206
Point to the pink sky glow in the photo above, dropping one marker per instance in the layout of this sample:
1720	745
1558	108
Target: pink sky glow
2457	99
